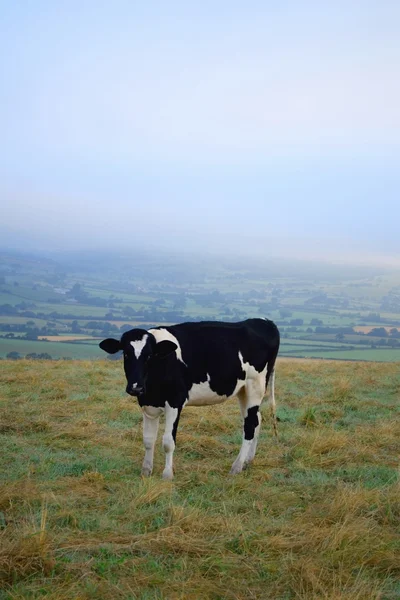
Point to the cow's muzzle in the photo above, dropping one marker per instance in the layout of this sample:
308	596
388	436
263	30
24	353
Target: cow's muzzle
134	390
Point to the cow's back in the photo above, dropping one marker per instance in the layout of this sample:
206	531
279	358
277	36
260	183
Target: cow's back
217	354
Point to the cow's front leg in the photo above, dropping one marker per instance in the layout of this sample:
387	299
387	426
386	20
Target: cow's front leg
169	438
150	430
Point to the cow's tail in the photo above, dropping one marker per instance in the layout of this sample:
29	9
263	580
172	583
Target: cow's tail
270	379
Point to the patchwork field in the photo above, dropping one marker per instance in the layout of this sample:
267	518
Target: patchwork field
317	516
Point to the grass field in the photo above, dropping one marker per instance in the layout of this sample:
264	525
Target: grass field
317	516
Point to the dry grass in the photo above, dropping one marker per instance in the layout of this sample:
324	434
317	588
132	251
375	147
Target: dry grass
316	517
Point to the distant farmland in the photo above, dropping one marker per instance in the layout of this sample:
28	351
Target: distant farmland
87	348
350	313
55	349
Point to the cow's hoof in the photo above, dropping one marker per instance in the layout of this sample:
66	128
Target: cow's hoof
236	468
249	460
146	471
168	474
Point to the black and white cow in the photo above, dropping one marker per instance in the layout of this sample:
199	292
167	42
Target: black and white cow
198	364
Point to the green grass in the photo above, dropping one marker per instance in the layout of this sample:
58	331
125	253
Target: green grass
315	517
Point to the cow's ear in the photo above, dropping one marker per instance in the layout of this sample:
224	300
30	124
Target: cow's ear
164	348
110	346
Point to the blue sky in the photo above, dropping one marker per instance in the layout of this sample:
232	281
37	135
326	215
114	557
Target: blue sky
251	127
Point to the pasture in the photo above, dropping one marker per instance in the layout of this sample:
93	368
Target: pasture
317	516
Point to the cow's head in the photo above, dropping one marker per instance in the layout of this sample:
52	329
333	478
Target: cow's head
142	355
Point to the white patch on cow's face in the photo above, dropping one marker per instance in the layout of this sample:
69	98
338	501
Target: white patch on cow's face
164	334
138	345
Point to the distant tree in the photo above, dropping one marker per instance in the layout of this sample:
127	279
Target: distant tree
394	333
7	309
373	317
76	289
378	332
339	337
75	327
29	314
31	335
285	313
13	355
316	322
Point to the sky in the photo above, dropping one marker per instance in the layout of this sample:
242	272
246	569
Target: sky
258	127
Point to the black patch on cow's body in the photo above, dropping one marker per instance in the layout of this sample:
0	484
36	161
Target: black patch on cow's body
250	423
165	380
211	348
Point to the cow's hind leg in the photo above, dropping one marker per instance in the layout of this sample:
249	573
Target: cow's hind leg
273	404
249	401
169	438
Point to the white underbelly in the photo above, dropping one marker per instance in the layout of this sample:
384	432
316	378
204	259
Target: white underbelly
201	394
206	401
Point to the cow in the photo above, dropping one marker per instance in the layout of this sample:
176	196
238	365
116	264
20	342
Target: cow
199	364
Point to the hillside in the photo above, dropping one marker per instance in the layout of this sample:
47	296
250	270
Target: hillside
316	517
